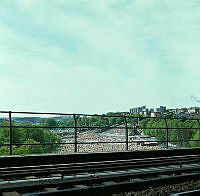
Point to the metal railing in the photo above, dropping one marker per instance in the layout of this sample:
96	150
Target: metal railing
127	126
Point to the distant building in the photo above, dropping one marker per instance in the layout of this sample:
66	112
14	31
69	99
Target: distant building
147	111
182	111
157	110
151	110
138	109
161	109
155	114
194	110
124	113
173	111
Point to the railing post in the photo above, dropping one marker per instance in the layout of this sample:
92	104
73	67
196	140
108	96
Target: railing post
199	127
126	132
167	134
10	133
75	133
134	129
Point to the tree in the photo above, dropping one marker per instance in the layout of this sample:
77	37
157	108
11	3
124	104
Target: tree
51	122
33	148
31	136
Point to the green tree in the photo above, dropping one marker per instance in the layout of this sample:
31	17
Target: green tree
32	148
51	122
22	135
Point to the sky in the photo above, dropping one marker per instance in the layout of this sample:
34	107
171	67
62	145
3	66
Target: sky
98	56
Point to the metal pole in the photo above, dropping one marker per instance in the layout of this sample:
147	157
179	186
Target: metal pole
75	132
126	132
10	133
199	128
134	129
167	134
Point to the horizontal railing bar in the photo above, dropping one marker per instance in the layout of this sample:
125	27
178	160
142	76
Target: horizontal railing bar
163	117
97	127
169	128
64	127
6	112
65	114
162	141
114	142
184	140
14	144
100	115
62	143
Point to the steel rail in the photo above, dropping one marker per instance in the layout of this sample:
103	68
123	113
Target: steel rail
108	189
75	171
88	179
63	169
187	193
151	159
98	178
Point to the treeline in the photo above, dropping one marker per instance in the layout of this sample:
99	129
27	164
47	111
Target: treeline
33	136
98	121
178	137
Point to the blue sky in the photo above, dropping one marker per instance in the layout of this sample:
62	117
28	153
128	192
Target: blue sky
96	56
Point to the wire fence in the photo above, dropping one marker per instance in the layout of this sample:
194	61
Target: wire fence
123	134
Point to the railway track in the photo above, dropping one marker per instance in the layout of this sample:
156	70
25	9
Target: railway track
106	174
108	190
92	167
187	193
